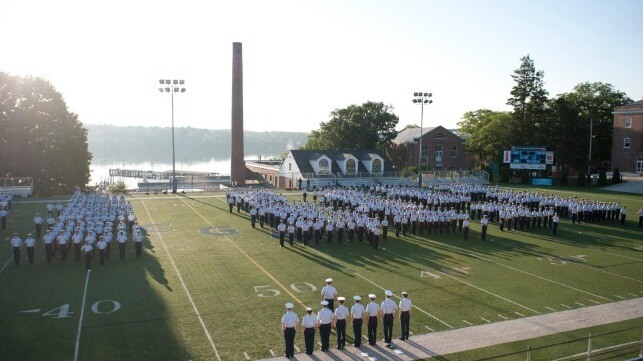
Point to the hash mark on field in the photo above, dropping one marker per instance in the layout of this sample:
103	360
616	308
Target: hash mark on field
467	322
429	328
598	303
633	295
319	343
567	307
485	320
551	309
519	314
503	317
580	304
366	338
297	348
411	333
621	297
245	354
272	352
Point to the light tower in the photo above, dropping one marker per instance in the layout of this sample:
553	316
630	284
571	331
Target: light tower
421	98
172	86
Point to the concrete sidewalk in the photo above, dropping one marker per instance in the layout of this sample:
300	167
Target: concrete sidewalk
633	184
471	338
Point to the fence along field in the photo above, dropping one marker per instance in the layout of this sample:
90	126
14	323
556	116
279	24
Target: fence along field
210	287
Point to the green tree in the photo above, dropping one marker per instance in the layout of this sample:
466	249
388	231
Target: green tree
40	138
367	126
565	125
487	133
529	102
595	102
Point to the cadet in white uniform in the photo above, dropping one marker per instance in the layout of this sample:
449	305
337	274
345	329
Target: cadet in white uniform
87	250
309	322
388	309
16	242
138	243
329	293
373	312
289	327
38	224
324	321
357	316
341	312
31	246
406	308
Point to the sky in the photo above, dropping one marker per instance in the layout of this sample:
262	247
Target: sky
303	59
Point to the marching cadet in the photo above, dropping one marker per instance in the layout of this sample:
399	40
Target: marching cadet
324	320
102	246
3	218
16	242
291	234
328	293
339	322
138	243
289	327
376	235
31	246
121	239
253	216
465	226
281	228
330	229
87	251
373	312
555	220
406	309
230	203
623	214
640	217
388	309
37	221
62	245
385	228
309	322
484	223
76	240
357	318
48	242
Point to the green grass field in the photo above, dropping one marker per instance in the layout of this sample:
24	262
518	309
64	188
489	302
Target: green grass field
210	287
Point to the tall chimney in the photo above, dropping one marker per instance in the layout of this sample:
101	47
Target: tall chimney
237	164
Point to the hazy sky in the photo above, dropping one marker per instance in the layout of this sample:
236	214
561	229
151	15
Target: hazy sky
302	59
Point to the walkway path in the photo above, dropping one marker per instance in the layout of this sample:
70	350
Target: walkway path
470	338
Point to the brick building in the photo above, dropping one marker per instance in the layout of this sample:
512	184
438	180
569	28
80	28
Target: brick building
441	149
627	138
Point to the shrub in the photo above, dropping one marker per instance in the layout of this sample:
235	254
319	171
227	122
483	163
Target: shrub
118	188
564	177
602	178
581	181
616	176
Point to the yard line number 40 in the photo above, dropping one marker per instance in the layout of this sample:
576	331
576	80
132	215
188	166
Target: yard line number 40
101	307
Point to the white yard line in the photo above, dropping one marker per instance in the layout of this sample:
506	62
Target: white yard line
598	303
6	264
564	305
485	320
429	328
580	304
551	309
503	317
82	314
519	314
185	288
467	322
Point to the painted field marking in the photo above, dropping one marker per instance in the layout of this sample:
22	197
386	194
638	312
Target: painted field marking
429	328
6	264
621	297
297	348
564	305
503	317
185	288
272	352
580	304
551	309
598	269
366	338
245	354
485	320
247	256
467	322
411	333
633	295
319	343
518	270
598	303
332	261
519	314
82	313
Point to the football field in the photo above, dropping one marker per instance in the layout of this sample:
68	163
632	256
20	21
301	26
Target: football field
210	287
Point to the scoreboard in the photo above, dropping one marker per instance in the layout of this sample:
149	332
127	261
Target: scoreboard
536	158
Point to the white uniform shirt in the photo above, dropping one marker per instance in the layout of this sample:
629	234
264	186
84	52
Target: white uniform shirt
358	311
30	242
309	321
388	306
289	319
329	292
372	308
405	304
325	316
341	312
16	241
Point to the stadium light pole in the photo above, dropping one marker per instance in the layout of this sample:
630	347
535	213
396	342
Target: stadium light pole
172	86
421	98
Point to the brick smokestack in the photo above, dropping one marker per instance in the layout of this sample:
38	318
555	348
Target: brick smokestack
237	164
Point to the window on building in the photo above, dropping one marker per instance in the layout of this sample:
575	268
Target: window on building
351	166
439	136
626	143
324	167
438	167
289	167
377	166
628	122
425	151
454	151
438	153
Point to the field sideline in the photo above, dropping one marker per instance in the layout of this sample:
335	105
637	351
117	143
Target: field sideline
209	287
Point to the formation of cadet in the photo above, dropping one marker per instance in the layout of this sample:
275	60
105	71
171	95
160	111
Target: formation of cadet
327	319
85	225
